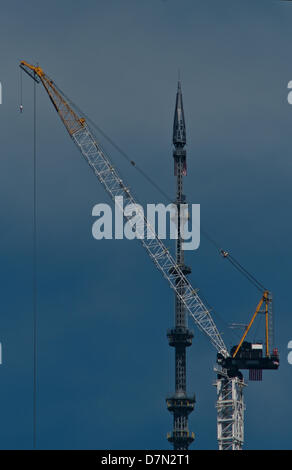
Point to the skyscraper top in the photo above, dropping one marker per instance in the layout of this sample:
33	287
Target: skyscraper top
179	127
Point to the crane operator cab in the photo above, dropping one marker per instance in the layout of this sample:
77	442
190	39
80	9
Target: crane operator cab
249	357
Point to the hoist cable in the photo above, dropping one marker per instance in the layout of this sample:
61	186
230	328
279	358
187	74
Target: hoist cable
34	274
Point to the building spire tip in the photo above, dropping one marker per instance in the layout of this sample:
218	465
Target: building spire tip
179	128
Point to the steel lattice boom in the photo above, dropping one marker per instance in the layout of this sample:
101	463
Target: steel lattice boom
114	185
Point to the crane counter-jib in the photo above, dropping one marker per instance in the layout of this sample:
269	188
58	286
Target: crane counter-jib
115	186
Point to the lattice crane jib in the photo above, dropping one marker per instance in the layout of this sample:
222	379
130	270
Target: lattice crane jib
108	176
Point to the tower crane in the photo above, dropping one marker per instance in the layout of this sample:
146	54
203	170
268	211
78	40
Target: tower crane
230	383
229	378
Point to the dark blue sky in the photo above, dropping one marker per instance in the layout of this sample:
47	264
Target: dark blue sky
104	364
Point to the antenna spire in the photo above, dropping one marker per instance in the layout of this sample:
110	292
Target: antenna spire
179	126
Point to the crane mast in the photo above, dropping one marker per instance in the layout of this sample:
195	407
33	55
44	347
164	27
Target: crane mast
230	410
